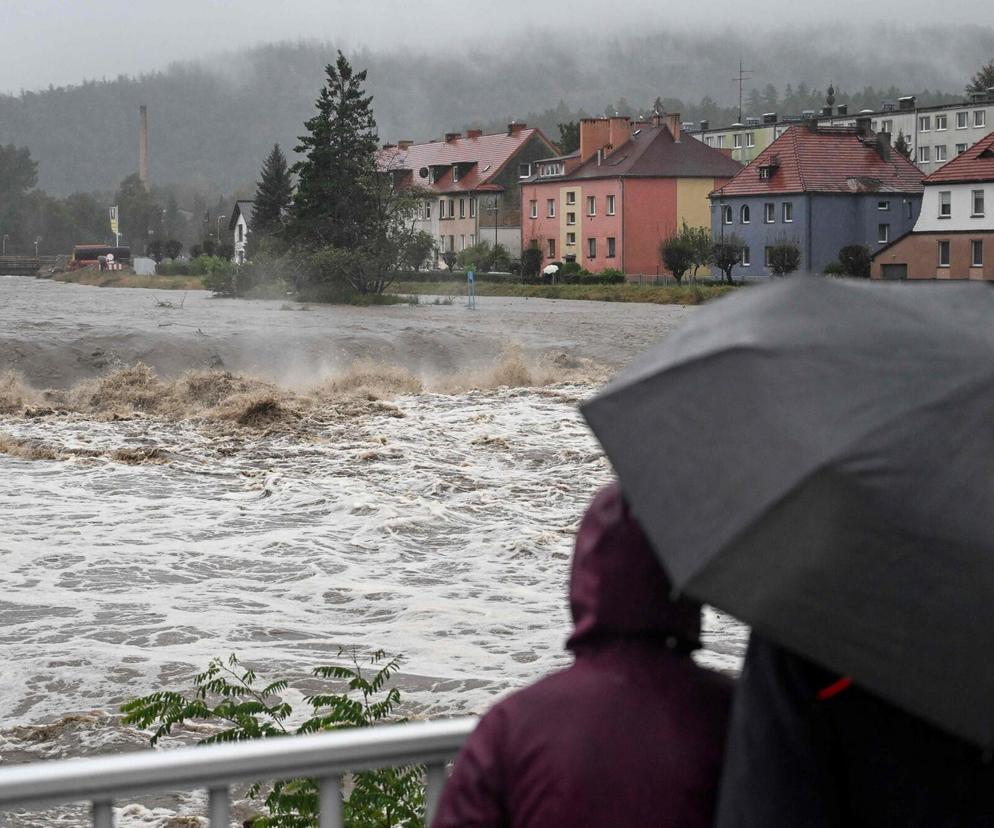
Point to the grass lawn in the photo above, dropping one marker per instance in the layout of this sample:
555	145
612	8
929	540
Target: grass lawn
658	295
121	278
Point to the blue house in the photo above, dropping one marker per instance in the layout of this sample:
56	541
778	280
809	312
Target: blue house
820	188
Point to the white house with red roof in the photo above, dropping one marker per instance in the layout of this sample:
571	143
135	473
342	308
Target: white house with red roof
470	183
954	235
821	189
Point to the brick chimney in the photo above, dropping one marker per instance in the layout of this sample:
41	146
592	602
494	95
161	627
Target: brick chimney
883	145
474	133
404	143
619	130
452	136
389	146
657	119
673	125
595	133
514	127
143	146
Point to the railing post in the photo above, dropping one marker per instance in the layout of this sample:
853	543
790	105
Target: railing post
103	815
218	808
330	802
434	782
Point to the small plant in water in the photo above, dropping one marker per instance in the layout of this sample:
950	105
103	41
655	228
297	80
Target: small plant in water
230	695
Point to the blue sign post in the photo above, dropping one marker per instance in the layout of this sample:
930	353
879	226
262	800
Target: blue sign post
471	290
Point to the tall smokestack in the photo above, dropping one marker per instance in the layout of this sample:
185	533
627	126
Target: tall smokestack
143	145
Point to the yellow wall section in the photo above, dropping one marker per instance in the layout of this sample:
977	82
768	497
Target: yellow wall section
693	206
576	249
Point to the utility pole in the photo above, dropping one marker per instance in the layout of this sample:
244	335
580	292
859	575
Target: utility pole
744	75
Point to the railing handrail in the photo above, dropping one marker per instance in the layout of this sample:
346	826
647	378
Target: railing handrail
323	755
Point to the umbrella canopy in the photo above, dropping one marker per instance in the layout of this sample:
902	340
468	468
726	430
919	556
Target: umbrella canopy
548	270
817	458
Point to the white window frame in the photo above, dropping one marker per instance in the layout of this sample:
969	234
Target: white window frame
962	120
961	148
726	214
746	258
769	213
940	153
462	208
944	247
977	196
941	123
976	245
719	141
533	208
886	126
524	170
441	208
787	212
472	208
610	205
945	204
591	205
591	248
883	206
571	239
427	210
550	246
745	214
571	197
737	140
611	248
924	155
750	139
883	233
550	208
571	219
980	117
924	123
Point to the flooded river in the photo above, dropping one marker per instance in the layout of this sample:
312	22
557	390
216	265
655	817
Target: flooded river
255	489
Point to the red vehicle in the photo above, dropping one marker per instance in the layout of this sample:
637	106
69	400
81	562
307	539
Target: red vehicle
88	255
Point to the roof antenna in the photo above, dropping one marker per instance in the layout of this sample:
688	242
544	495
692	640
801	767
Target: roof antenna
744	75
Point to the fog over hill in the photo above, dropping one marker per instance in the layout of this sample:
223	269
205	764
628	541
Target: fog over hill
212	121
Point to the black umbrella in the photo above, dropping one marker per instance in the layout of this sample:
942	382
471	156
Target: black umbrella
817	458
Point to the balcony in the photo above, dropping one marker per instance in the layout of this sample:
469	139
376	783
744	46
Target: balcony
326	757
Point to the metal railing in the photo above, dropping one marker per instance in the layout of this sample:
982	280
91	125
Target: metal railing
326	757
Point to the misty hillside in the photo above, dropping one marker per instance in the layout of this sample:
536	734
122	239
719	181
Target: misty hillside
213	122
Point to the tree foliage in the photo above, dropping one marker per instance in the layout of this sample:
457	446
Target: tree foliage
231	696
677	255
855	260
273	195
902	145
785	258
726	253
336	201
569	137
983	79
139	212
18	171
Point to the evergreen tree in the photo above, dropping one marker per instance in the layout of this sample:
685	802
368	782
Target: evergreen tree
140	214
273	195
569	137
983	80
901	145
337	188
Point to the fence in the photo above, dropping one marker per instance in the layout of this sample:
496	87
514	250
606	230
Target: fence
326	757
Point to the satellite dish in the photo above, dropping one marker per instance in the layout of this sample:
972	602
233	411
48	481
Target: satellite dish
423	172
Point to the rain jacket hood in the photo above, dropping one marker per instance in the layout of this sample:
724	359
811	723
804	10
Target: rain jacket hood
618	587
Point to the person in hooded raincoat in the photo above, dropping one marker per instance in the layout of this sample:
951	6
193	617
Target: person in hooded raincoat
810	749
631	734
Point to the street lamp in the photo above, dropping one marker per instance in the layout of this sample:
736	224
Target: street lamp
37	240
217	228
5	237
493	208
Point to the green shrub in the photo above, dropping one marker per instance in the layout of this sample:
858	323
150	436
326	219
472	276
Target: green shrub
217	274
172	269
855	261
531	261
612	276
834	269
229	695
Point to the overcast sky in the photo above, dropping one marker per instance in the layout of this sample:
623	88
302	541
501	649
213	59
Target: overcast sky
66	41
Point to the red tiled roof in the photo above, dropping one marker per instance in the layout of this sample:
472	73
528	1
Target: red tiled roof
826	160
976	164
653	153
488	154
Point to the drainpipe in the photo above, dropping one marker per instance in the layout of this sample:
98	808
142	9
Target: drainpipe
810	199
624	245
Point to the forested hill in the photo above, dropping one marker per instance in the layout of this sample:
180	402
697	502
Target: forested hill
213	122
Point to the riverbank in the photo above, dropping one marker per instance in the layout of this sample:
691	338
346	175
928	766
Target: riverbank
694	294
125	279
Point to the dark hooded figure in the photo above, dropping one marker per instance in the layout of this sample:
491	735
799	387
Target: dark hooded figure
809	749
631	734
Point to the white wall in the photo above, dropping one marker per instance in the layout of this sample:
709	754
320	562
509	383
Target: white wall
961	196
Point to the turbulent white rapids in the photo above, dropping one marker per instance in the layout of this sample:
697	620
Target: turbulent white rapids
438	527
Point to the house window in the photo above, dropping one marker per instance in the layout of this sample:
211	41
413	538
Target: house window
571	218
524	170
455	173
976	253
452	244
788	212
452	208
441	208
962	120
980	118
533	208
941	121
570	239
241	232
744	214
960	149
571	196
462	208
591	206
940	152
591	248
737	140
924	155
907	209
750	139
766	255
943	254
472	208
427	209
462	242
552	248
978	204
769	213
924	123
883	205
610	247
945	204
883	233
726	214
719	141
746	259
550	208
610	205
709	140
886	126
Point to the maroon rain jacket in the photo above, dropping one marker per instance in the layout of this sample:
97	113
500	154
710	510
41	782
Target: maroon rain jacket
631	735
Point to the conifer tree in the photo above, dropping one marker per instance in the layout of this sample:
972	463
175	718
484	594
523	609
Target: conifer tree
273	195
337	200
983	79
